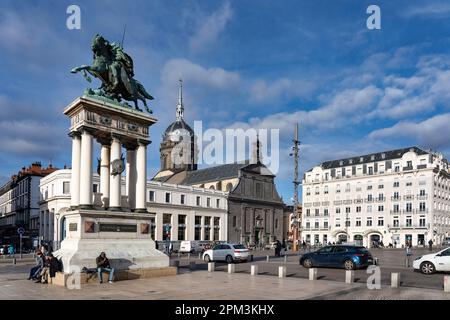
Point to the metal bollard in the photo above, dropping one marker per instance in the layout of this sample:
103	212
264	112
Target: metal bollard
285	259
251	257
178	254
14	261
395	280
231	268
189	256
446	283
192	265
254	270
199	255
407	263
313	274
375	261
349	276
211	266
282	272
267	258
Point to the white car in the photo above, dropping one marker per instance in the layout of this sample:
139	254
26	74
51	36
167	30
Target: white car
226	252
430	263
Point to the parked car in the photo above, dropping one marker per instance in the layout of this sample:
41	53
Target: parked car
226	252
338	256
446	242
430	263
271	245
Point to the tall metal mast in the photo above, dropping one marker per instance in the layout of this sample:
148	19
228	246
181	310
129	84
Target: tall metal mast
296	184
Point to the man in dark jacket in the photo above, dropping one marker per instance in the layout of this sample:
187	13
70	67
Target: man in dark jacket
102	266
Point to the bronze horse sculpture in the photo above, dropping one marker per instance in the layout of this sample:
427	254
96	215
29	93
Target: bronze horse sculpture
114	68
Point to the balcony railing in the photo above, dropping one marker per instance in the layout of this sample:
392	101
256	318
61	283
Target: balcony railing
380	199
347	202
337	202
368	200
358	201
409	226
316	204
422	197
325	203
395	198
408	197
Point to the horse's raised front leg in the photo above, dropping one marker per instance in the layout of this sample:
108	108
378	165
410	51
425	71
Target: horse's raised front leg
78	69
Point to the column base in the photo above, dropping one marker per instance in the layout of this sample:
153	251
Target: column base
85	206
140	210
115	209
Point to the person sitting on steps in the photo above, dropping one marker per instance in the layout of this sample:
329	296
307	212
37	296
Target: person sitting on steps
102	266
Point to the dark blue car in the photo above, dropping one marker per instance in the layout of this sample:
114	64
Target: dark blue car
339	256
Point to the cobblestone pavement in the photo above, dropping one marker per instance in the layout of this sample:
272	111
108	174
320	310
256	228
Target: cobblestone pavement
390	260
202	285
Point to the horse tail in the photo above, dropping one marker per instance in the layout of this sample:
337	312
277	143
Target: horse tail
142	90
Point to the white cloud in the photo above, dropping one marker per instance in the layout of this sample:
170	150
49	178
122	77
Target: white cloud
211	27
261	91
436	10
216	78
432	132
342	109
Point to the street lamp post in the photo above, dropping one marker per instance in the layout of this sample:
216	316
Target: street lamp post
56	244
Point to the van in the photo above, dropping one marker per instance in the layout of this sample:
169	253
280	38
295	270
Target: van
190	247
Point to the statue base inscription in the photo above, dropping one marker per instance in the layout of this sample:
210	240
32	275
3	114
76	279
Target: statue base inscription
123	236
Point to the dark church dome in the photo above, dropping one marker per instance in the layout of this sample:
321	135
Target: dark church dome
176	130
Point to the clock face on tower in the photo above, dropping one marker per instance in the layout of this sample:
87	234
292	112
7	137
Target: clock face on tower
117	166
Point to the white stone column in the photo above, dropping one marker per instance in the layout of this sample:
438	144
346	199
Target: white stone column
46	213
115	187
75	180
159	226
105	173
86	171
141	178
174	230
211	231
131	177
202	230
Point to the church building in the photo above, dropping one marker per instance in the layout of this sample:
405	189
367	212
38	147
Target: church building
255	209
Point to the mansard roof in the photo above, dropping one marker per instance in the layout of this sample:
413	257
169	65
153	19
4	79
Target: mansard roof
372	157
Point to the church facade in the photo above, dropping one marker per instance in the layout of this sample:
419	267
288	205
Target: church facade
255	209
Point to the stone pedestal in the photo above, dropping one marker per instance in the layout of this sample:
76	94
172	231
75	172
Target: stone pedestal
123	236
122	232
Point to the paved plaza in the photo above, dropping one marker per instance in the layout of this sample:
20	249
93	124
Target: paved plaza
219	285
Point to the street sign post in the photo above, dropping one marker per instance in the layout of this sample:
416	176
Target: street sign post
20	231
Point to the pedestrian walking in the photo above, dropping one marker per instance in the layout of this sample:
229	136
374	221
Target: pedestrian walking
11	250
430	245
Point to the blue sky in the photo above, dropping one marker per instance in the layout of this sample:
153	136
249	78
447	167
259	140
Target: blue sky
261	64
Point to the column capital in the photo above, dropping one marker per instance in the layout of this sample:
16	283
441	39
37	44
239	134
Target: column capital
74	134
143	142
88	130
105	142
130	146
119	137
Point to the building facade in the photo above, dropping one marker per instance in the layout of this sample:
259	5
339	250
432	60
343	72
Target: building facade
255	210
391	197
178	212
19	205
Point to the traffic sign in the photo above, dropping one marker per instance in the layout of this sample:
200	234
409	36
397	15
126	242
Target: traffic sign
20	231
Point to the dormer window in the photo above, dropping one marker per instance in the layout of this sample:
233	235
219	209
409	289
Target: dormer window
341	163
361	159
383	156
350	161
372	157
